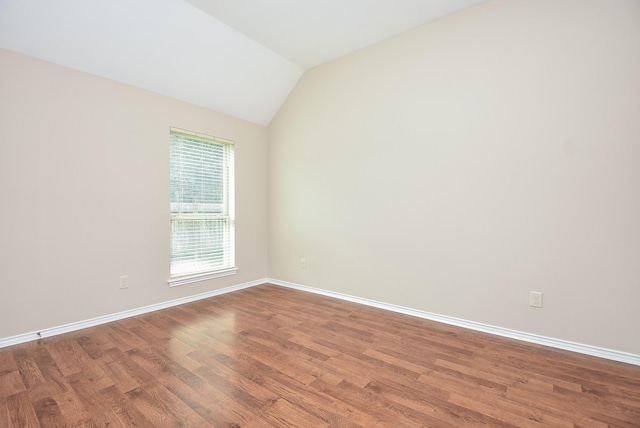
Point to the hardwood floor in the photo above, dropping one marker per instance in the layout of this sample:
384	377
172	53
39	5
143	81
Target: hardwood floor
274	357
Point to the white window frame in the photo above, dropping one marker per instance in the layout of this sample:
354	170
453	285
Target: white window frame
178	274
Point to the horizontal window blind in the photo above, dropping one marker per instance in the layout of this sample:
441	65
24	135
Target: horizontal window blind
201	210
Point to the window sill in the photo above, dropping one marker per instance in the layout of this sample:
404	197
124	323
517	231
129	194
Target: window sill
182	280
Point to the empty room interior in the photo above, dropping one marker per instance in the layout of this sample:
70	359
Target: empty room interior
425	213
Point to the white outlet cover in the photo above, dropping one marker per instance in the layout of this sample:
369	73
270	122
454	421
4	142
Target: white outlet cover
535	299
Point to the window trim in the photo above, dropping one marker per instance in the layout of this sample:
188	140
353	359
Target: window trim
177	280
188	279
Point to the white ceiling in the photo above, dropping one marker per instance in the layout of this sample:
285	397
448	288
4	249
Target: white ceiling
311	32
240	57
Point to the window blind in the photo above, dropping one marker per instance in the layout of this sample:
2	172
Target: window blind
201	204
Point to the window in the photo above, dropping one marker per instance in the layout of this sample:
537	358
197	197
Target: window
202	207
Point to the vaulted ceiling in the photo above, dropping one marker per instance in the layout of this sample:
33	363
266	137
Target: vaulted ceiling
240	57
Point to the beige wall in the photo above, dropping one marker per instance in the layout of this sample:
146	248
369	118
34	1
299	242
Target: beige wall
84	187
458	166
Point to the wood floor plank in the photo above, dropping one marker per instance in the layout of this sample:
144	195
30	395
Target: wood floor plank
11	382
67	354
89	395
49	414
20	411
73	410
157	412
50	371
285	414
269	356
123	408
434	406
5	421
122	380
211	403
375	405
34	382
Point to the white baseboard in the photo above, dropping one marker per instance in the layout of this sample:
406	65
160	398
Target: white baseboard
498	331
53	331
594	351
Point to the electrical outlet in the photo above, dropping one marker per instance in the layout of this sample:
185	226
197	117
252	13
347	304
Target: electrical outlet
535	299
303	263
124	281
